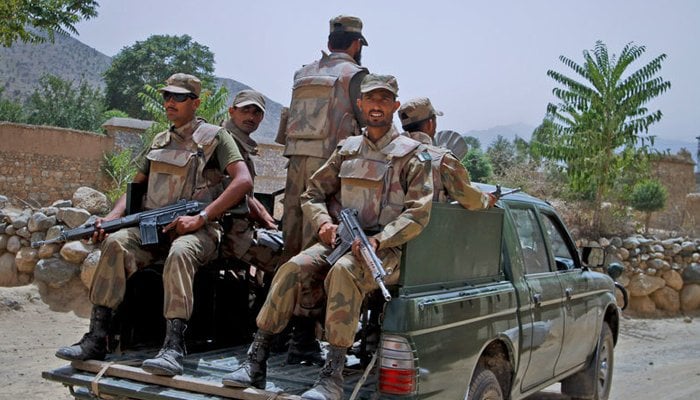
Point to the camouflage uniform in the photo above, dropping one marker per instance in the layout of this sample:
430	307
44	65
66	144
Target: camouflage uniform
322	113
389	183
183	163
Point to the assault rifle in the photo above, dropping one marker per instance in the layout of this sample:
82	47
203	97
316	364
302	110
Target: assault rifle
498	193
348	230
150	222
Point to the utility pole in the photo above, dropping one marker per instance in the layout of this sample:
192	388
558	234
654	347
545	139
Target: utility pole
697	155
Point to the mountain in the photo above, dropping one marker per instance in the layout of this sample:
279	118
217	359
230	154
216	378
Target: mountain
22	65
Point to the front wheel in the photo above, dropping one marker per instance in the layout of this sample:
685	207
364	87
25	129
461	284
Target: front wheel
484	386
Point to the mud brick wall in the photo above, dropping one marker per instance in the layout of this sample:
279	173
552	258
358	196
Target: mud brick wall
677	175
40	164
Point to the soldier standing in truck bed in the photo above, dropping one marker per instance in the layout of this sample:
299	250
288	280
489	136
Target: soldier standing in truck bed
185	162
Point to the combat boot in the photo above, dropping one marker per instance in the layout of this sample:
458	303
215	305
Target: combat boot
329	385
168	361
304	347
93	345
253	372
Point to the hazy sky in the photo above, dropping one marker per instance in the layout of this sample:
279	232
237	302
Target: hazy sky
482	63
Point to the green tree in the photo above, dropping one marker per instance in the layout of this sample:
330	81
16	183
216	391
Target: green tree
501	152
478	165
11	111
648	196
59	103
473	142
599	127
151	62
46	17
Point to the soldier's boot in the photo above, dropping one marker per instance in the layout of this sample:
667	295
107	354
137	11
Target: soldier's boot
329	385
168	361
304	347
253	372
93	345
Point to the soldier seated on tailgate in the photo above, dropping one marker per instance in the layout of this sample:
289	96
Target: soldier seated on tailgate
252	237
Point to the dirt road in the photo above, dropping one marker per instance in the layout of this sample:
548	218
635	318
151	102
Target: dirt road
655	358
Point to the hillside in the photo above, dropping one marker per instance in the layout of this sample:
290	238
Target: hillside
22	65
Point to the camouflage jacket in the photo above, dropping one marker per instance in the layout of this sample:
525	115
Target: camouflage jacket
246	145
322	110
389	182
450	178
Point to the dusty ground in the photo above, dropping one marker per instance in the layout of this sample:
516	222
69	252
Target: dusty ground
655	358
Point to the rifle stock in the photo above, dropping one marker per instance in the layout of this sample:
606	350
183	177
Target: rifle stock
148	221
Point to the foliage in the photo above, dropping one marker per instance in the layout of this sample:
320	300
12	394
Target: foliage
151	62
11	111
473	142
648	196
58	103
501	152
48	17
598	128
478	165
121	170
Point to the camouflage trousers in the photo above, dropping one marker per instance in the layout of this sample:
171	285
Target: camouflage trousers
122	255
252	245
306	281
298	233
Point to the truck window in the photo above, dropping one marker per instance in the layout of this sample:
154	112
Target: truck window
531	240
562	253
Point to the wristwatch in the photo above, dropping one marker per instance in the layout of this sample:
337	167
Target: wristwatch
204	215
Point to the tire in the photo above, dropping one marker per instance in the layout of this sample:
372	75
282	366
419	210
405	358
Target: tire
484	386
595	381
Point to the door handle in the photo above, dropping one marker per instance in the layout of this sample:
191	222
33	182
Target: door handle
537	299
568	292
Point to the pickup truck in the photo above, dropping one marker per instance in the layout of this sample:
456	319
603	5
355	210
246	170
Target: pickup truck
492	304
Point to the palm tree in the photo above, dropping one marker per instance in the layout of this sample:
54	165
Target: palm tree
601	122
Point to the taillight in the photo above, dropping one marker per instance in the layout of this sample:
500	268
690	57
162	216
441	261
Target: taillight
397	366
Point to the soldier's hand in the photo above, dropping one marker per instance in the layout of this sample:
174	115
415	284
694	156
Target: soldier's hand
356	246
327	233
492	199
99	234
185	224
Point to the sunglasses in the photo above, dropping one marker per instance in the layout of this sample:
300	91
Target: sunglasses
178	97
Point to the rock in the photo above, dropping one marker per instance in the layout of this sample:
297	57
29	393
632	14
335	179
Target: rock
673	279
8	270
72	217
3	201
688	247
24	233
690	297
91	200
657	248
37	237
676	249
55	272
630	243
658	264
75	251
14	244
26	259
604	242
62	204
642	305
3	242
666	299
695	257
691	274
616	241
39	222
623	253
48	250
88	267
54	232
49	211
642	285
668	243
624	280
20	220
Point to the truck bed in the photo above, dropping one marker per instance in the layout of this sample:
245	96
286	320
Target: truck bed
121	376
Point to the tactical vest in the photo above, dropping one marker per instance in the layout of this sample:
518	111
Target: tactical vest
371	179
177	168
321	112
436	155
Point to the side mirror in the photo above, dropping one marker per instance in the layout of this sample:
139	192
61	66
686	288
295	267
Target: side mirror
593	256
615	270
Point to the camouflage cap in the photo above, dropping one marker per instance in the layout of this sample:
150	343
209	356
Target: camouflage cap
348	23
182	83
247	97
416	110
373	82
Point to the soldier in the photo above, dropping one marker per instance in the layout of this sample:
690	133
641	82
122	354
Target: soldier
254	239
387	178
450	178
184	162
323	111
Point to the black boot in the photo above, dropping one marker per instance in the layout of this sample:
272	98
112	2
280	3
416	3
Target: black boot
93	345
253	372
304	347
168	361
329	385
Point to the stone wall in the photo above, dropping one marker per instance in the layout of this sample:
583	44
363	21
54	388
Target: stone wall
41	164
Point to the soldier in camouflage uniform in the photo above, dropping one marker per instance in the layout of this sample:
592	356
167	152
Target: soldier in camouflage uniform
450	178
254	239
185	162
387	178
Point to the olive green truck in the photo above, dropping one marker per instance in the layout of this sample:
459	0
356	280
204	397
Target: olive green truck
494	304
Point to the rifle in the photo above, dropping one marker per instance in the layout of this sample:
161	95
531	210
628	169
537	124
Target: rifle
498	193
148	221
348	230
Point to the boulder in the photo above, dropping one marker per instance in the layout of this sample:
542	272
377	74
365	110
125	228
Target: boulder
673	279
39	222
667	299
690	297
75	251
691	274
3	242
62	204
88	267
55	272
643	285
8	270
48	250
72	216
91	200
642	305
14	243
19	220
26	259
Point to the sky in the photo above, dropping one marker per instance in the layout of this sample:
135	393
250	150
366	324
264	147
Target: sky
483	64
